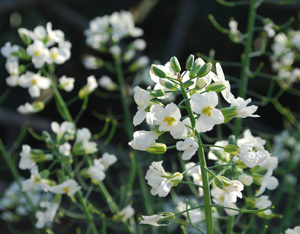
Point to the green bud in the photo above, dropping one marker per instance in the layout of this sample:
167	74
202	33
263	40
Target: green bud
158	148
216	87
83	92
157	93
166	216
242	165
175	64
231	149
51	68
250	201
229	113
22	54
226	182
38	106
167	84
24	36
189	62
77	149
45	173
21	69
187	84
47	138
158	72
218	182
232	139
194	70
204	70
37	155
176	178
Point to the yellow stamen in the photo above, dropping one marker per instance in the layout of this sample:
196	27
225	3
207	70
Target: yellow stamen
169	120
34	82
66	190
36	53
37	180
54	55
207	110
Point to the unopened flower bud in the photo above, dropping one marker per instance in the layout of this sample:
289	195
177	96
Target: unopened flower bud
37	155
231	149
175	64
157	93
204	70
216	87
158	72
47	138
187	84
246	179
241	165
229	113
24	35
158	148
201	83
189	62
176	178
194	70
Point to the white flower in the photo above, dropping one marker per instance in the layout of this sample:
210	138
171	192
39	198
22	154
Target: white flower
28	108
142	140
142	61
142	99
126	213
91	83
168	119
219	198
108	159
68	187
233	190
268	182
44	217
269	29
7	50
263	202
189	146
256	142
90	62
248	156
204	105
12	67
246	179
65	149
115	51
82	138
58	55
295	230
26	162
39	53
54	35
160	181
154	219
96	172
34	82
243	110
226	93
107	83
139	44
65	130
66	83
35	179
129	55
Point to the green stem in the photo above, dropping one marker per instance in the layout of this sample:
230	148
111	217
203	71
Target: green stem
204	173
246	59
230	225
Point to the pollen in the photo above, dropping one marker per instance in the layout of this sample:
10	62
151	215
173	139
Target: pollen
36	53
34	82
169	120
66	190
54	55
207	110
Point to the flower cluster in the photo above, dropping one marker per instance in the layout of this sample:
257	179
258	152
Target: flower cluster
62	151
45	47
199	87
105	34
286	48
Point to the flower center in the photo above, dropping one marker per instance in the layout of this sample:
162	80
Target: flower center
66	190
37	180
54	55
207	110
36	53
34	82
169	120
